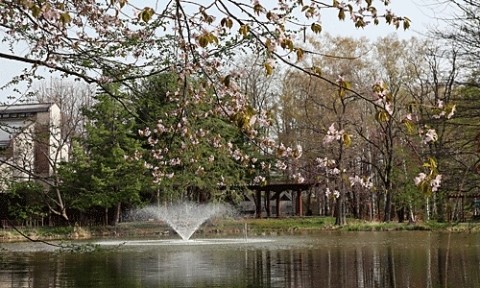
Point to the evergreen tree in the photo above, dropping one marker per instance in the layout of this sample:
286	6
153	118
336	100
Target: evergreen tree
105	171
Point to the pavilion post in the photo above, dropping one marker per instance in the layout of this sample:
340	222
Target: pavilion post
299	205
267	202
258	204
277	208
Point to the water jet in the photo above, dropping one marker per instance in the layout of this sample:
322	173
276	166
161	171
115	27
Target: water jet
184	218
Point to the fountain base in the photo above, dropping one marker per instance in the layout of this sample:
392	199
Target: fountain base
171	242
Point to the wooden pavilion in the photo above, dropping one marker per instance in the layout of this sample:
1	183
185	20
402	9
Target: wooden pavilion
275	192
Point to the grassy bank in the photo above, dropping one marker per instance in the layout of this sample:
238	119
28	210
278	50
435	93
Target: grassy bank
313	224
229	227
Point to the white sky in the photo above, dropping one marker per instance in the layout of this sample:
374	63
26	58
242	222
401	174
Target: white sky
422	14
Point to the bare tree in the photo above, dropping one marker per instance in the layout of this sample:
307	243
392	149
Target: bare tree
71	98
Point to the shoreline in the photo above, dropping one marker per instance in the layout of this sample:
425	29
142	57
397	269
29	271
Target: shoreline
227	227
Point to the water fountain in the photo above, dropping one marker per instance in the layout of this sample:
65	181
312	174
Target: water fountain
185	218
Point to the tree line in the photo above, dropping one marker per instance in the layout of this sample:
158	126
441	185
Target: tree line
387	129
363	154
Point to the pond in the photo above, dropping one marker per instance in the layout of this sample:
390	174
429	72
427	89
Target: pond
327	259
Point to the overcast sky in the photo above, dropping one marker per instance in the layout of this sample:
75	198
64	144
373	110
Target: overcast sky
422	13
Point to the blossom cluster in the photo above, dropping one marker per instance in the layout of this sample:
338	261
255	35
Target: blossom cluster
333	134
429	135
383	97
335	194
433	183
447	111
329	165
363	182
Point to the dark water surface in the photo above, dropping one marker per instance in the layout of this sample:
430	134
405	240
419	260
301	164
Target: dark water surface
337	259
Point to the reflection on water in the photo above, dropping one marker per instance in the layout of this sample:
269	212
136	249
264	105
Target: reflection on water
387	259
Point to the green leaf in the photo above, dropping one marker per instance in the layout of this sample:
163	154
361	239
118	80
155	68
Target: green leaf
341	14
350	8
359	23
122	3
299	52
65	18
226	22
406	23
203	41
347	140
268	69
316	28
409	126
382	116
268	44
287	44
207	18
146	14
316	70
425	188
388	18
36	11
431	164
212	38
258	9
244	30
208	38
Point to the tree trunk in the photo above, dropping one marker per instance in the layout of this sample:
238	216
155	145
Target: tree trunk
61	205
106	217
401	214
340	219
388	197
372	211
267	203
440	208
427	208
326	205
118	211
309	204
388	207
411	215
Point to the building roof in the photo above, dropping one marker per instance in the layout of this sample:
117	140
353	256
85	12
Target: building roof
15	118
26	108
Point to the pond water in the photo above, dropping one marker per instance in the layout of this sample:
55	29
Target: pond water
334	259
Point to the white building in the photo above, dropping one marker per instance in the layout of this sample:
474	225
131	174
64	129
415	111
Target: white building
31	143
